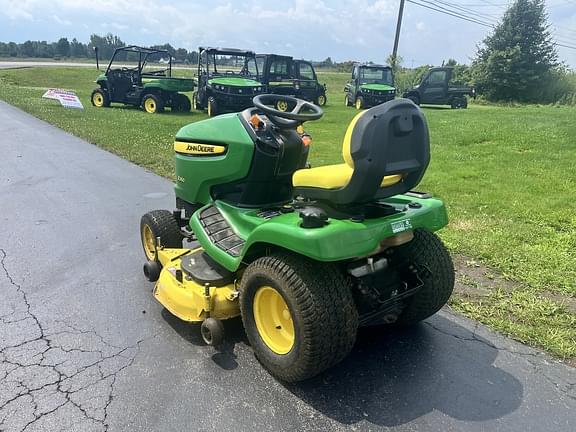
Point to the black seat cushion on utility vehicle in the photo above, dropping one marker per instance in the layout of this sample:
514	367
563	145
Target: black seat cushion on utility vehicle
386	150
203	270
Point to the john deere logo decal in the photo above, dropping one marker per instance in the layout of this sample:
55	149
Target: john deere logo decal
197	148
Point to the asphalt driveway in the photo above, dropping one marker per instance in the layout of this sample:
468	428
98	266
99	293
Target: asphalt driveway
85	347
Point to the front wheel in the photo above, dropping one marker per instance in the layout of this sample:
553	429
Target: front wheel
99	98
299	315
159	224
321	100
427	252
212	107
359	104
347	101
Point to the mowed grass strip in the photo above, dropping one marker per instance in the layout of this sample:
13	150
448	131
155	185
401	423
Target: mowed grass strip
507	175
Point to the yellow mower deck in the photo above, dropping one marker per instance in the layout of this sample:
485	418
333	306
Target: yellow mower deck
189	300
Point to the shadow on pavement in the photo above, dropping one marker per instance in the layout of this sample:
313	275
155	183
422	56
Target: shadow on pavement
224	356
395	376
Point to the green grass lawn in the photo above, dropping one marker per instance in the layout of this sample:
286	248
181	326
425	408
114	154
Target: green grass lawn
508	177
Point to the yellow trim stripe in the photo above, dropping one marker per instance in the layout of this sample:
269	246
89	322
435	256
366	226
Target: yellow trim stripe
348	140
198	148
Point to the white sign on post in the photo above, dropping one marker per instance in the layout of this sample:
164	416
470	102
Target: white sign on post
66	98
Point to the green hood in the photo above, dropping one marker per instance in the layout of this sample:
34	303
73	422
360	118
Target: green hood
234	82
379	87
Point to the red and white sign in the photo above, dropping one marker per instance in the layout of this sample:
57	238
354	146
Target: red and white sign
66	98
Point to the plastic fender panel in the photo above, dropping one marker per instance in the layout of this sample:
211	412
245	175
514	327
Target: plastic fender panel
336	241
197	173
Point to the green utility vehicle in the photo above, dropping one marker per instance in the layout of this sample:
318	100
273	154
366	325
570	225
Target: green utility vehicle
436	88
370	85
227	80
149	84
304	255
284	75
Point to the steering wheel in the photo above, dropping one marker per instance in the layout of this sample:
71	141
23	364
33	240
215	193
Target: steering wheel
287	119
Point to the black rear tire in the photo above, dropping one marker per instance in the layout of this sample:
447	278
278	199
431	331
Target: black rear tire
429	255
320	305
160	223
153	104
181	103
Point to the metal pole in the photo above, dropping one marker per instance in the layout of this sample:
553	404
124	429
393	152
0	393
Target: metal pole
398	26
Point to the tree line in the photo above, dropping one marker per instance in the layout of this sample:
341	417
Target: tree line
516	62
64	48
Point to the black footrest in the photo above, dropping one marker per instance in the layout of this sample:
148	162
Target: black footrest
220	232
202	269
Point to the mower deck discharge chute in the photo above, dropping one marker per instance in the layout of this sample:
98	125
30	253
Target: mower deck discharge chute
149	84
304	255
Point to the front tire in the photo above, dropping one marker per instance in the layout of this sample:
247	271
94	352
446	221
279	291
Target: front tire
212	107
99	98
359	103
427	252
321	100
347	101
159	223
299	315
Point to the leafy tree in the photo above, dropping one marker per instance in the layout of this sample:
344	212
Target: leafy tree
27	49
518	59
62	47
78	49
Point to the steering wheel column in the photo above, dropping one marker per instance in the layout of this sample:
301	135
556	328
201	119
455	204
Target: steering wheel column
303	111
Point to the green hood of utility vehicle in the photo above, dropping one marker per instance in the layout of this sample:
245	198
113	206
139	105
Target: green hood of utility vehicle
234	82
379	87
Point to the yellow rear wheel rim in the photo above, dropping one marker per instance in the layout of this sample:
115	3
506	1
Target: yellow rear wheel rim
150	105
209	109
282	106
149	243
273	320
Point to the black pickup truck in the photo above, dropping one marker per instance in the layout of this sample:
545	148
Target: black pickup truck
435	88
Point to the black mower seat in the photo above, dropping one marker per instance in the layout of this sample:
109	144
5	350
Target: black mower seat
386	151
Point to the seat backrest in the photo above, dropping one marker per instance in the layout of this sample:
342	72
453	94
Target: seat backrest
387	139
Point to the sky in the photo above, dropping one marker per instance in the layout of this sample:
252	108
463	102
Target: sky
360	30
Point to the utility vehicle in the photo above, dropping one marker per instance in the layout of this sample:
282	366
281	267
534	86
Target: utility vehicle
227	80
149	84
284	75
370	85
435	88
304	255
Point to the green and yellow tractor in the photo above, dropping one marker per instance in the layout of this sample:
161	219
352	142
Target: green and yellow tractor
305	256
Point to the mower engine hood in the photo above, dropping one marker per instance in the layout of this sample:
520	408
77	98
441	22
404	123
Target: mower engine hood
378	87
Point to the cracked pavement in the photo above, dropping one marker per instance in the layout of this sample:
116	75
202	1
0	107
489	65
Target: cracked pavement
84	346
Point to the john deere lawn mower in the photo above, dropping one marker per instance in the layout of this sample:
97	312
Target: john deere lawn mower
149	84
304	255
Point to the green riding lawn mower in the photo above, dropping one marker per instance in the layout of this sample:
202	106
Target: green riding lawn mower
148	84
305	256
227	80
369	85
